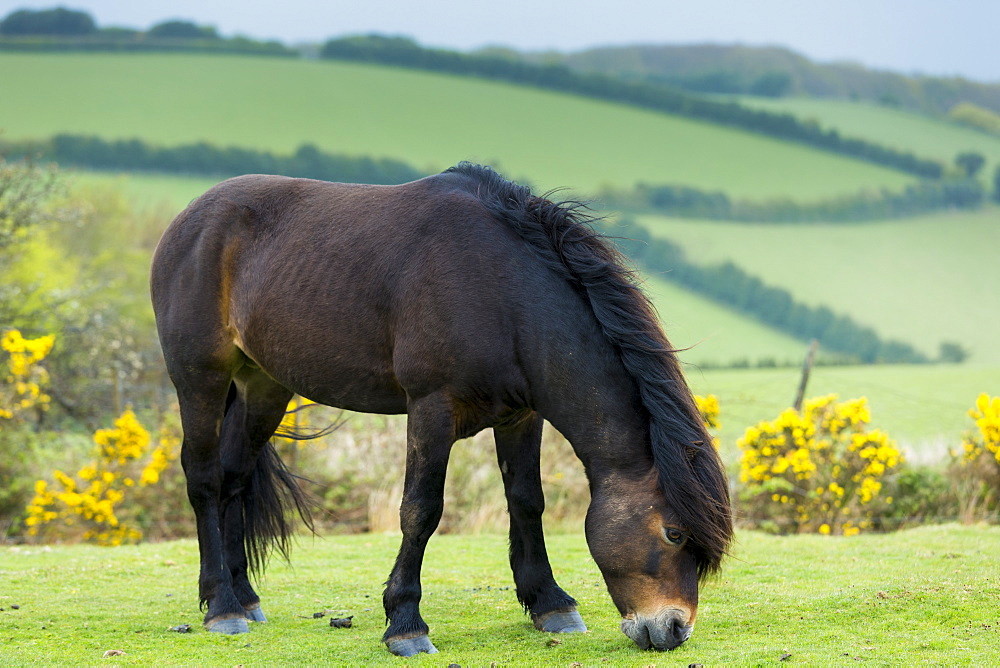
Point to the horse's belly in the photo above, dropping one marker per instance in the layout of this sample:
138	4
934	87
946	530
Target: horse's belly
357	380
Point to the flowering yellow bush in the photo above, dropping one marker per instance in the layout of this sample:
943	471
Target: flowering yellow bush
25	379
985	443
708	406
976	466
820	470
89	506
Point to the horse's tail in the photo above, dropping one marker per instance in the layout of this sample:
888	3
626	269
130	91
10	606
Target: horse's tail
267	499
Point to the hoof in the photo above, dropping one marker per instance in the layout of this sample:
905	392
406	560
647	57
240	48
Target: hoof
230	626
410	646
255	614
567	620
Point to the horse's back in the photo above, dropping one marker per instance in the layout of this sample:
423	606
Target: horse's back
353	295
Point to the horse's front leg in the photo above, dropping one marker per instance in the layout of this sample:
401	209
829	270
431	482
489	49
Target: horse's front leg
429	437
518	453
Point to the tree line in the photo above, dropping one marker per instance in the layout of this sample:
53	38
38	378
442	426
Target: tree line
404	52
957	192
207	159
773	71
67	29
730	285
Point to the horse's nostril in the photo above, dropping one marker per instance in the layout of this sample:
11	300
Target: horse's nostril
672	626
665	632
680	631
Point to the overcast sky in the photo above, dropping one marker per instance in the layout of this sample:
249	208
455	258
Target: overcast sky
939	37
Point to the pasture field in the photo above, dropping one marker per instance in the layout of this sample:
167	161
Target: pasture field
903	130
714	333
717	333
923	407
430	120
925	595
921	280
165	194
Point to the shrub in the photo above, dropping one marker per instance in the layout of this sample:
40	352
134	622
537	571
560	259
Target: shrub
820	470
91	506
22	395
976	467
708	406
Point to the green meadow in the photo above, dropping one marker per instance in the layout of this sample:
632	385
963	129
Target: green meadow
923	407
715	333
922	280
429	120
898	128
921	596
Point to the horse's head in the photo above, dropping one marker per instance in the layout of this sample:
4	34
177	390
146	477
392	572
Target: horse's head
650	561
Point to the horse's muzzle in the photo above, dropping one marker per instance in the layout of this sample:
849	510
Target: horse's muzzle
667	630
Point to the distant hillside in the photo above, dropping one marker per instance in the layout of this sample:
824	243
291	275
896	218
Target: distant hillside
775	71
420	118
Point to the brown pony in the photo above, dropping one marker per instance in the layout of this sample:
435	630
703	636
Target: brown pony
465	302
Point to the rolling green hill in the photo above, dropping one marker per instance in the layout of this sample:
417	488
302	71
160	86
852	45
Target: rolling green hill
773	70
715	334
429	120
897	128
922	280
548	138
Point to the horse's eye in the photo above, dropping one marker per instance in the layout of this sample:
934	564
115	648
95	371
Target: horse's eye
673	536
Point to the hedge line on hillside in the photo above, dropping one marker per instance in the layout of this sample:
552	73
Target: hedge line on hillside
129	41
206	159
726	283
403	52
923	197
774	306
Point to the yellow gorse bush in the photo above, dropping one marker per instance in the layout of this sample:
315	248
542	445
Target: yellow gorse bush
976	465
820	470
985	441
295	421
708	406
89	506
22	389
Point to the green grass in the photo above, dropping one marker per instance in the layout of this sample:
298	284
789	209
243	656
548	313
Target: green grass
921	280
926	595
926	136
429	120
924	408
716	333
713	333
162	193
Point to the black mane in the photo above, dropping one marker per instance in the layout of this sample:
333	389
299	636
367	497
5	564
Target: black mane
690	473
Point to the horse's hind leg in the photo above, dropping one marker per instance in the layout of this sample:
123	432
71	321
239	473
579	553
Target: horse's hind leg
256	407
518	453
202	399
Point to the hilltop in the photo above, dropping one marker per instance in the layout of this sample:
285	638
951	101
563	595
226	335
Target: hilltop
774	72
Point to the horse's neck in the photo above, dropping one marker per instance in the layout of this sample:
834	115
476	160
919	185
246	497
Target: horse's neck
594	403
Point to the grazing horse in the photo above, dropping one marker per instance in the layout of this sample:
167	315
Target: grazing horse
465	302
